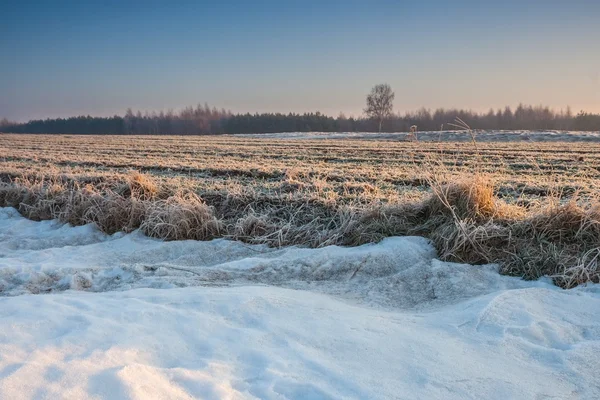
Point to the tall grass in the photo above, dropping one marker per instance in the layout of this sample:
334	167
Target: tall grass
464	219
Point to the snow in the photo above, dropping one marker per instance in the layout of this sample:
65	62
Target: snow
399	272
126	316
445	136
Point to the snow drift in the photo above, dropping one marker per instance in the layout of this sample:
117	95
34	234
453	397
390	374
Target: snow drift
378	321
398	272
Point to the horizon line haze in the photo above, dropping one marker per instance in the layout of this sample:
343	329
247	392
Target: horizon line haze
71	58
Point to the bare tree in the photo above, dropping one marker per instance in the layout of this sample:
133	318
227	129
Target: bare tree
380	103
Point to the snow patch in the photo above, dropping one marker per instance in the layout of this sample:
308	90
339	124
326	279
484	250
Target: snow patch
379	321
274	343
398	272
446	136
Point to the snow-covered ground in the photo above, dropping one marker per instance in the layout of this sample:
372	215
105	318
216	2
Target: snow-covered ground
446	136
126	316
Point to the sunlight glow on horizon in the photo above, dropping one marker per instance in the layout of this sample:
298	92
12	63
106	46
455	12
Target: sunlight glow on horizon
70	58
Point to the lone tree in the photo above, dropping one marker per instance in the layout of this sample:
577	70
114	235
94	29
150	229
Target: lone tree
380	103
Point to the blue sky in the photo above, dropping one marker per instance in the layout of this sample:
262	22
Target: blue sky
92	57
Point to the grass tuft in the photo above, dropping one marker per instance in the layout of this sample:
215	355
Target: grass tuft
471	199
183	216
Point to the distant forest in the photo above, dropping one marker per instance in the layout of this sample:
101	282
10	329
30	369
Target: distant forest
207	120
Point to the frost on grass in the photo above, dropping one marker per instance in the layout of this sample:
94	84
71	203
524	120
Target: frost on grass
465	219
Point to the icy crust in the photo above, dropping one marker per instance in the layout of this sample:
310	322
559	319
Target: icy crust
273	343
399	272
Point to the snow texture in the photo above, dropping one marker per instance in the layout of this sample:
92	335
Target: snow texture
233	321
398	272
445	136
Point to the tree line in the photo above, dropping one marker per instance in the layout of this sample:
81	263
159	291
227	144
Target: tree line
210	120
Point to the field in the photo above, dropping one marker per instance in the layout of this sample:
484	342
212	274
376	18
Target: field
345	172
529	205
320	267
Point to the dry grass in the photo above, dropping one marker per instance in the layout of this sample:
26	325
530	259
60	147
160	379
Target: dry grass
532	208
555	239
181	217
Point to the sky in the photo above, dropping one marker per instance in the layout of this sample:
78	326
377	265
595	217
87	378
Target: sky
65	58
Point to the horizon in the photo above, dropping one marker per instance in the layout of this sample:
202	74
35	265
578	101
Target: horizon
397	113
69	59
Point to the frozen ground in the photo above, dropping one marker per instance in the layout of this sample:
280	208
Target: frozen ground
446	136
236	321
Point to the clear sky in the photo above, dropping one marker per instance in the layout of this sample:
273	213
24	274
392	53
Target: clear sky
62	58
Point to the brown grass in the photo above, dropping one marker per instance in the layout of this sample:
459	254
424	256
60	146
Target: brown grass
536	214
183	216
559	240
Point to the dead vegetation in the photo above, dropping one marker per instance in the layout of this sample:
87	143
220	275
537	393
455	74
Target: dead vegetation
480	217
180	217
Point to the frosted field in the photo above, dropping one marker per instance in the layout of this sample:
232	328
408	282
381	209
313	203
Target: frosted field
86	315
446	136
